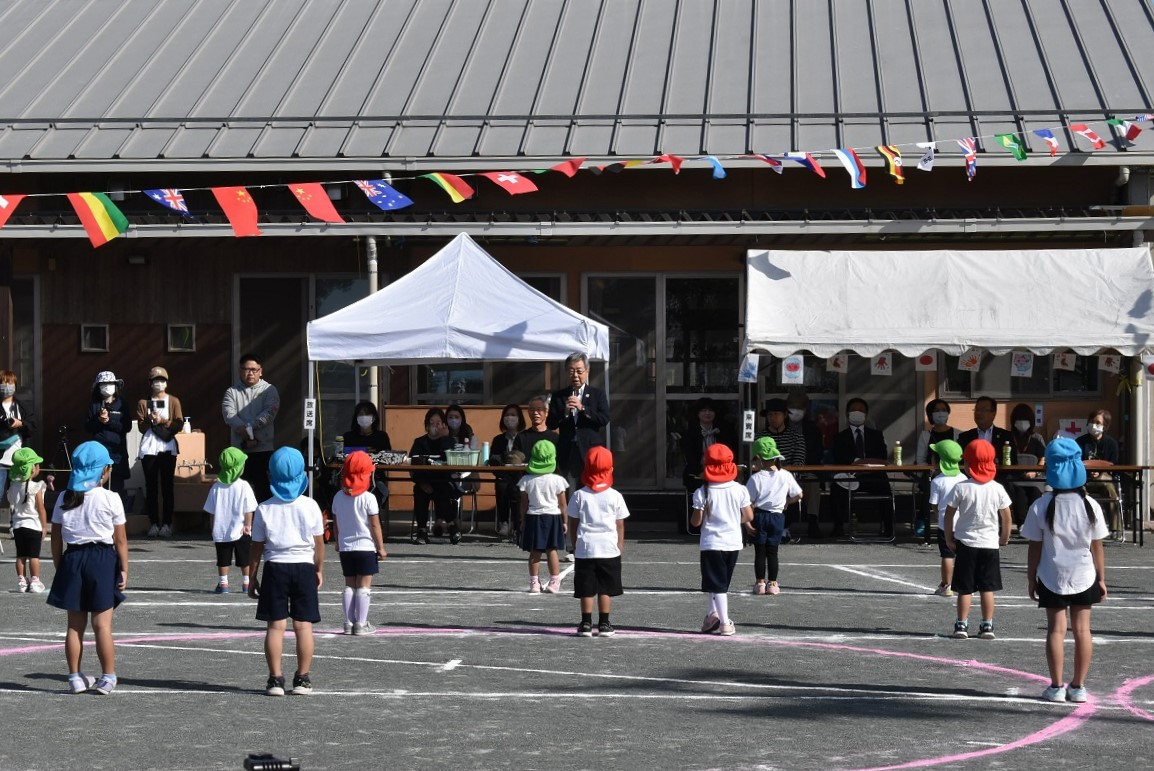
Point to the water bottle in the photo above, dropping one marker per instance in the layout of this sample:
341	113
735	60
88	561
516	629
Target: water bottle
1005	453
339	447
485	454
897	453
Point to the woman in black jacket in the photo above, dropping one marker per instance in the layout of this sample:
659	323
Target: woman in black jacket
109	423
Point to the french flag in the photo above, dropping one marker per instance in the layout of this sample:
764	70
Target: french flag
1050	139
853	164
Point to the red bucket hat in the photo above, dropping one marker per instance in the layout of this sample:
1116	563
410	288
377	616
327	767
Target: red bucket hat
979	455
598	473
357	475
719	465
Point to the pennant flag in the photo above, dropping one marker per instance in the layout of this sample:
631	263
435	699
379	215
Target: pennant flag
1011	143
1110	362
927	161
382	195
1130	131
969	147
514	183
569	167
839	363
614	168
1066	361
101	219
747	372
927	361
970	360
457	188
807	160
1144	118
673	160
8	205
882	364
853	164
1088	133
718	169
170	198
893	158
240	209
793	370
1050	139
1021	364
774	163
316	201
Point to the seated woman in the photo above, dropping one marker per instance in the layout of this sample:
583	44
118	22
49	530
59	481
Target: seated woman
366	434
431	486
938	416
1024	489
1097	445
508	496
459	430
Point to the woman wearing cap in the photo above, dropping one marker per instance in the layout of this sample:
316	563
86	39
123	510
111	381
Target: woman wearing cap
719	509
159	418
109	423
16	423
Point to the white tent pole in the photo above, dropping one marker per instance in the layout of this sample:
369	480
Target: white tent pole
312	428
371	256
608	426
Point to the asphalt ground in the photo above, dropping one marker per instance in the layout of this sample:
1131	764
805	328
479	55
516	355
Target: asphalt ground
850	666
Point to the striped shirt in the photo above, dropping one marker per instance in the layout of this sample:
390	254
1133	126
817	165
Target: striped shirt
790	443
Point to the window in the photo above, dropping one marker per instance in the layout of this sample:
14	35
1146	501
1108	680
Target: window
94	338
994	379
181	338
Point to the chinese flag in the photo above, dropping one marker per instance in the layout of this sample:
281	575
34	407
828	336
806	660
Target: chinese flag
240	209
316	201
7	206
514	183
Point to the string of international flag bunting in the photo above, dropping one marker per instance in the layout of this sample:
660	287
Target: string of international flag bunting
103	220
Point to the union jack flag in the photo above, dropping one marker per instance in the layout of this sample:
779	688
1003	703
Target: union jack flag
969	147
169	198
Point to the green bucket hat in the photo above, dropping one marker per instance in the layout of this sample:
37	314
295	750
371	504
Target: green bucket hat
22	462
949	456
232	461
766	449
544	458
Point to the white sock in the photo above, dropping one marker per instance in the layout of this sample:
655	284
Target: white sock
362	606
721	606
347	603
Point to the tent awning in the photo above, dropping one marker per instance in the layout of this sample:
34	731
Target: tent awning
868	302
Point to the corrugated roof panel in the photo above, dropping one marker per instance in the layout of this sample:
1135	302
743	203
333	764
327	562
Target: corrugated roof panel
371	139
602	91
488	64
60	142
1024	58
524	74
682	137
690	63
499	136
1109	69
103	142
147	142
548	137
730	37
452	138
408	59
896	58
983	72
591	137
16	141
854	59
279	141
1134	22
938	56
191	141
637	137
455	51
234	142
772	72
813	61
773	137
412	139
321	140
720	136
567	68
646	86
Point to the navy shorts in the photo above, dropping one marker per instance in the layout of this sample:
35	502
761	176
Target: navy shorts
1047	599
87	578
597	575
770	526
542	532
944	550
28	542
359	563
233	552
288	590
717	570
976	570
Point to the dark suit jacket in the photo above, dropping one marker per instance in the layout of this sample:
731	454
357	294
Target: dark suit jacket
845	453
1000	437
692	449
586	431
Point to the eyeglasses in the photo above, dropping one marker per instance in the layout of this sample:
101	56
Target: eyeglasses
536	409
250	369
576	371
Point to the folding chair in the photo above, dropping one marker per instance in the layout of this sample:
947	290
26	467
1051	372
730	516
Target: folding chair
854	494
1108	491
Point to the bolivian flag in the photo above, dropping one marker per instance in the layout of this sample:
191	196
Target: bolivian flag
101	219
457	188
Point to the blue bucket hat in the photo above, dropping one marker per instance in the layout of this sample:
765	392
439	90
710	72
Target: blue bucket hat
1064	467
286	474
88	462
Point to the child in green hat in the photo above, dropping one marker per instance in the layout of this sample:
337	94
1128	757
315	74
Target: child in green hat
771	490
542	521
231	503
949	454
29	518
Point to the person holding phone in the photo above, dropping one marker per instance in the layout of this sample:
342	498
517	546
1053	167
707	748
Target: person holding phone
159	417
109	423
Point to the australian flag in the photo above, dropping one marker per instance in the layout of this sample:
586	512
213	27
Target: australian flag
171	198
383	196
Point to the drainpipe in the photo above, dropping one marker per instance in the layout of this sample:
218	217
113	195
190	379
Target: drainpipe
371	258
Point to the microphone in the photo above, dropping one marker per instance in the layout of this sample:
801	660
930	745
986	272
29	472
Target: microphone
574	392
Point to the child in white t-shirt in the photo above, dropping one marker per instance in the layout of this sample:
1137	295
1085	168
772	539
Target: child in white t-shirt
231	503
543	524
1066	564
720	508
771	491
597	516
949	455
977	523
359	542
29	526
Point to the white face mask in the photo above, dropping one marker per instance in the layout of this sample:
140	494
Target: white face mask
796	415
1095	429
856	418
509	422
364	421
107	390
159	385
454	424
7	389
940	418
1022	425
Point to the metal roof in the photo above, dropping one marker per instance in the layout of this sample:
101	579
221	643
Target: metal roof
408	84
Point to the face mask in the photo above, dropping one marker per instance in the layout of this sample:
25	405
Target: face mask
7	389
1022	425
107	390
433	432
159	385
509	422
1095	429
364	421
454	424
940	418
796	415
856	418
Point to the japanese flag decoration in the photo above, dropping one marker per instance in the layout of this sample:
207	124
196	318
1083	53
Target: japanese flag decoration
793	370
1021	364
970	361
1064	361
838	363
882	364
1148	366
1110	362
926	362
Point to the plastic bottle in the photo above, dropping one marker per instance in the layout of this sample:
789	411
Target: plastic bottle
897	453
187	426
484	453
1006	454
339	447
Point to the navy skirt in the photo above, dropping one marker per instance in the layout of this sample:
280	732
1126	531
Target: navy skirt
542	532
87	578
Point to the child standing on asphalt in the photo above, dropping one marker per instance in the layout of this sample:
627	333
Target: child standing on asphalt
231	503
949	457
597	516
1066	565
771	490
977	508
358	537
542	522
720	508
29	519
288	530
92	571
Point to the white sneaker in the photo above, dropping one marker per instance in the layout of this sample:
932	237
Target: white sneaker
21	584
165	531
503	530
36	587
570	557
153	531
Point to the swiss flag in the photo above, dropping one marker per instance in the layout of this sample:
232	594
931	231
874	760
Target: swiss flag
513	182
240	209
7	206
316	201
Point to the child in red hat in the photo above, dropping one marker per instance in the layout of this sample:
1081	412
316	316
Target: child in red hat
597	515
720	508
359	541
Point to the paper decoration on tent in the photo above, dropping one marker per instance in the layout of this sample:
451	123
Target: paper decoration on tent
1065	361
793	370
101	219
1050	140
747	372
927	361
853	164
1148	366
927	161
970	360
316	201
240	209
969	147
839	363
171	199
893	157
882	364
512	182
457	188
1011	143
382	195
1110	362
1085	131
8	205
1021	364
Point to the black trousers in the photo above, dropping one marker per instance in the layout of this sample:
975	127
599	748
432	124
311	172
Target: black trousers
159	471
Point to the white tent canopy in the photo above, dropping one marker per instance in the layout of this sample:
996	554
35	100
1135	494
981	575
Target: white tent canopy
869	302
460	304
